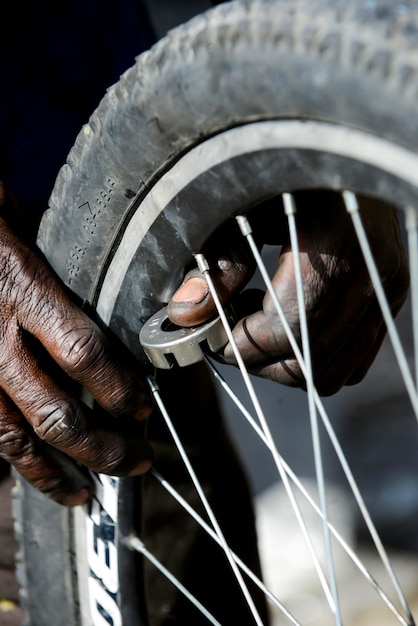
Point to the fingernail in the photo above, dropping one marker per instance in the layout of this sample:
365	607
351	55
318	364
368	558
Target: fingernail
193	291
76	499
141	468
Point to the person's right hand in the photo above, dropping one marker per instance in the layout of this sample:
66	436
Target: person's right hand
47	343
346	326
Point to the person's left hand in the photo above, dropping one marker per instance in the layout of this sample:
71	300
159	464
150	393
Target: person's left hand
47	344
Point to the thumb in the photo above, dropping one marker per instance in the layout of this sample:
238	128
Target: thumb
231	265
192	303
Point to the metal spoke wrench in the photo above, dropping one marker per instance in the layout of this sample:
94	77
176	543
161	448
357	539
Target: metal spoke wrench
166	344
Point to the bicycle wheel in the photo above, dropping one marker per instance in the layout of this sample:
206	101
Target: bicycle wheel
244	103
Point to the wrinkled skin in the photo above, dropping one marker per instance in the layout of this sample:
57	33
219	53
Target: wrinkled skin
47	345
345	324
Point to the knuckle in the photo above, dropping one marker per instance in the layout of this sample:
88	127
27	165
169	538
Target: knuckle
50	488
15	444
60	423
121	461
81	349
291	373
51	485
112	462
121	401
18	273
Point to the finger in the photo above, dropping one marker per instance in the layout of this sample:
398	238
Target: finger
343	361
260	339
191	304
60	420
350	364
286	371
82	350
231	265
351	333
360	372
265	349
336	353
38	464
347	366
396	297
38	303
106	370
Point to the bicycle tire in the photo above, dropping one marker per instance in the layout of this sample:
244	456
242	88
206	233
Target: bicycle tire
340	70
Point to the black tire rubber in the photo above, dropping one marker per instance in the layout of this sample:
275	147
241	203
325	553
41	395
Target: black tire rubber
342	62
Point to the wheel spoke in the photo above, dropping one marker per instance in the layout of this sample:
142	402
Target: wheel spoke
353	208
412	229
204	268
357	495
247	232
290	210
175	494
136	544
122	228
159	401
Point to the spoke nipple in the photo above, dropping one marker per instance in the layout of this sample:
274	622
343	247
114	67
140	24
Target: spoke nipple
244	225
289	204
411	219
135	543
202	263
350	201
153	385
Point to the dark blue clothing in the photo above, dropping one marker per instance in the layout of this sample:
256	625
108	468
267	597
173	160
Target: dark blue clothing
60	57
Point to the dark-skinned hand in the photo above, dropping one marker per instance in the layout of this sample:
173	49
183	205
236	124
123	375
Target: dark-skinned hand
344	320
47	345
